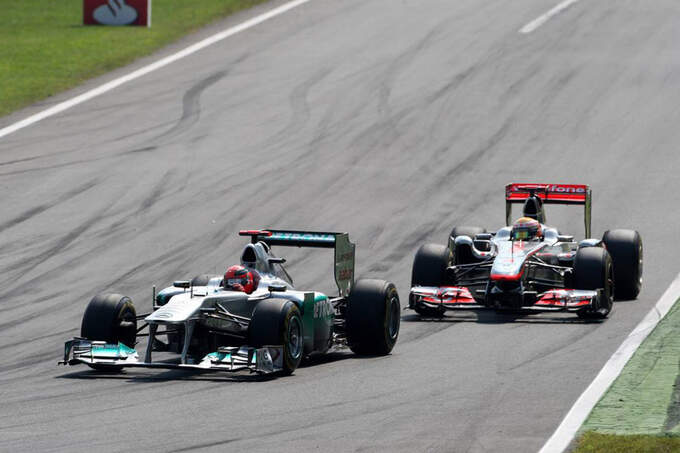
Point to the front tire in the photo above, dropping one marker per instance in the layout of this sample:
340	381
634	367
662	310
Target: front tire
593	270
278	322
111	318
373	317
625	248
429	269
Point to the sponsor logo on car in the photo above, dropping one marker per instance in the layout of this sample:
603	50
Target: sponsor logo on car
323	309
312	237
566	189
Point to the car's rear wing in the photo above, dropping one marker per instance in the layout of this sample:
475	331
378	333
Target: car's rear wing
576	194
344	249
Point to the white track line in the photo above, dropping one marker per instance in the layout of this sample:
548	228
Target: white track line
152	67
534	24
564	433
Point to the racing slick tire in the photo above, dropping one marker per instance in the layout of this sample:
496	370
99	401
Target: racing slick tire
466	231
625	248
277	322
464	254
373	317
429	269
111	318
593	270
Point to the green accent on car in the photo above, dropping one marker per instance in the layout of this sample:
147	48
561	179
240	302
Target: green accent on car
113	351
308	320
303	237
219	356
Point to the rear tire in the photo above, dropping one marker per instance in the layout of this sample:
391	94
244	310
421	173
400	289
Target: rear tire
464	254
625	248
466	231
277	322
429	269
593	270
373	317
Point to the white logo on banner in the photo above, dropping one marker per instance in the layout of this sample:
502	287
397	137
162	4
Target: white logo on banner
116	12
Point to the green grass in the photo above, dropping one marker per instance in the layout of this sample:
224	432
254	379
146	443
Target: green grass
592	442
641	410
45	49
645	398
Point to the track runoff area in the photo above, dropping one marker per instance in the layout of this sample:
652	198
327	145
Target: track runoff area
654	343
620	409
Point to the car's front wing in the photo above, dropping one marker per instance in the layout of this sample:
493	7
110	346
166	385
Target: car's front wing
268	359
459	297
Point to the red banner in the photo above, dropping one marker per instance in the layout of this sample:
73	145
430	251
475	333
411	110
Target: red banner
117	12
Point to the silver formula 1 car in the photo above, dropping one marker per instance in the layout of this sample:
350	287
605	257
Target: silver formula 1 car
213	326
529	265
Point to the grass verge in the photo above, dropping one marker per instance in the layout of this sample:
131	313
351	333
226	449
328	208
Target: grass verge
641	410
46	49
592	442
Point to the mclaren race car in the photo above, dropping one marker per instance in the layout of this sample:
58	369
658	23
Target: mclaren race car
250	319
528	265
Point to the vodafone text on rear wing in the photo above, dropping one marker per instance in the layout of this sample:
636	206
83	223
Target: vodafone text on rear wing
577	194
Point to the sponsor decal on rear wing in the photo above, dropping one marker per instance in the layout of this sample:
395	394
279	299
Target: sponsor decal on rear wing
344	249
576	194
549	193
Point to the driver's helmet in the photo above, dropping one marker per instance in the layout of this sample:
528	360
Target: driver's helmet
526	229
239	278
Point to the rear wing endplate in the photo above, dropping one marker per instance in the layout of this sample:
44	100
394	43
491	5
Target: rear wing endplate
344	249
575	194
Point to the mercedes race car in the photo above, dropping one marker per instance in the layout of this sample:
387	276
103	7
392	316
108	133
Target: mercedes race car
528	265
240	322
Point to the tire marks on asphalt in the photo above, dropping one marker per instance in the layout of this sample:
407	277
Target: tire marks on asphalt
37	210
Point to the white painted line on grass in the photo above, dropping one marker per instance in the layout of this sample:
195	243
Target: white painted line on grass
150	68
534	24
578	413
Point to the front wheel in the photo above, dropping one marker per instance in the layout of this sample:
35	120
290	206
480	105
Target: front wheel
111	318
277	322
429	269
373	317
593	270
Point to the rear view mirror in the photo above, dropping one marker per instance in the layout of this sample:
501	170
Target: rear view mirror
182	284
276	288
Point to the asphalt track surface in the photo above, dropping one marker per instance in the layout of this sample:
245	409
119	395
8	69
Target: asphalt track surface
391	120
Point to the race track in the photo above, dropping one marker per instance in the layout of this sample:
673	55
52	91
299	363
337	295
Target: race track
392	120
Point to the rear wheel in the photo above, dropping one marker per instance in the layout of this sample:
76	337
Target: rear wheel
277	322
593	270
111	318
625	248
463	255
429	269
373	317
466	231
